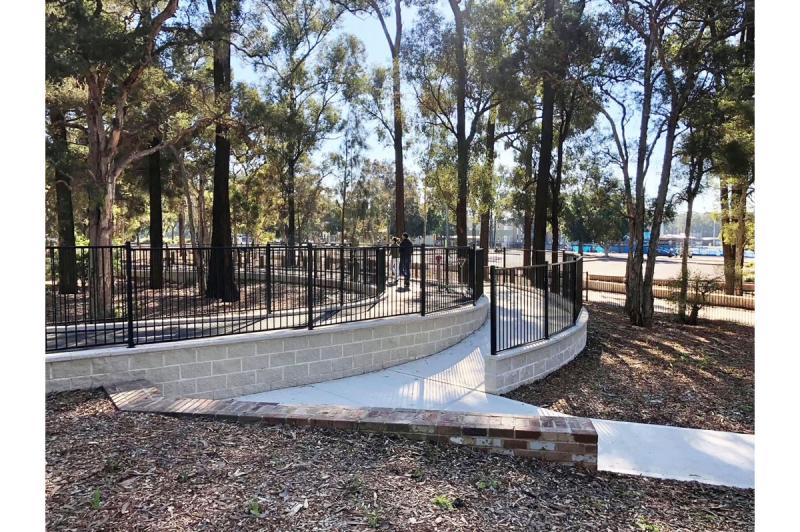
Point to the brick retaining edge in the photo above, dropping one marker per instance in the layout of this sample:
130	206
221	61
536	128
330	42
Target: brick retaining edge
564	440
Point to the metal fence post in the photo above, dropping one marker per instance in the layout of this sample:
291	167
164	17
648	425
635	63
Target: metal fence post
422	281
269	279
504	256
492	311
310	284
546	305
586	287
474	253
129	292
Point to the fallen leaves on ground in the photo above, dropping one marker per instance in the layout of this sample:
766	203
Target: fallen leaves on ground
670	374
110	470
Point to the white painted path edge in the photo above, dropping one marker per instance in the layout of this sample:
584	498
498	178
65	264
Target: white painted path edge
453	380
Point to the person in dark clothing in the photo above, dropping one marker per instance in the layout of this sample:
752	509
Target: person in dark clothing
406	249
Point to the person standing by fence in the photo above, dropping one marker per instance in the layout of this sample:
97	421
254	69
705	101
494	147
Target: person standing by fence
406	249
394	252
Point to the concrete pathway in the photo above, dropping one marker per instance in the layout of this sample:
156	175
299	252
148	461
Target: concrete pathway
453	380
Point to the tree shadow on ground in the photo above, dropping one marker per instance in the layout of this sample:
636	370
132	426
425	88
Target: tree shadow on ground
671	374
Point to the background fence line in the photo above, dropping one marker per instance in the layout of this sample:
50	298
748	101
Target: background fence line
716	304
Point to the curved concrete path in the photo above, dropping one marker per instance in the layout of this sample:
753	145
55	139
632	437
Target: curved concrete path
453	380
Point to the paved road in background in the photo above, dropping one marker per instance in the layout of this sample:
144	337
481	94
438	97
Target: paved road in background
614	264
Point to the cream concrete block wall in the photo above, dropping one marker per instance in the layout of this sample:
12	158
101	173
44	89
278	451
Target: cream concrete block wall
235	365
513	368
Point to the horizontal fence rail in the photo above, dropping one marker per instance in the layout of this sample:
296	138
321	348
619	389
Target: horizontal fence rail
532	303
125	295
713	302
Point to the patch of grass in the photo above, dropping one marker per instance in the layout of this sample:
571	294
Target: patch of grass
96	499
373	519
444	502
254	507
354	485
487	484
643	524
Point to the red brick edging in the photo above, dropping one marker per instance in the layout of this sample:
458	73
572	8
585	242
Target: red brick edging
566	440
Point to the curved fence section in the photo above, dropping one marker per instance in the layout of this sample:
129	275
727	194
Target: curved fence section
531	303
99	296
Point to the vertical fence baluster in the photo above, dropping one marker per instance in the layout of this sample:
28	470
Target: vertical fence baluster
129	292
492	310
310	284
422	280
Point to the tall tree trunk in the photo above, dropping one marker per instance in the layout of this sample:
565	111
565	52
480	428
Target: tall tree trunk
545	160
658	216
488	200
740	206
399	177
728	247
197	234
527	217
156	224
461	126
67	270
555	193
687	231
633	268
220	283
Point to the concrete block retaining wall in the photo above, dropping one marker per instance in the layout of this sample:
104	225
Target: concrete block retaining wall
235	365
512	368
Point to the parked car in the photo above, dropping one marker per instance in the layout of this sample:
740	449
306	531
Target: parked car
663	250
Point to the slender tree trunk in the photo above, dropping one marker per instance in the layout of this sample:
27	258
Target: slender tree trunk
488	200
527	217
658	216
67	270
399	177
461	127
220	283
740	195
156	224
635	290
687	231
728	248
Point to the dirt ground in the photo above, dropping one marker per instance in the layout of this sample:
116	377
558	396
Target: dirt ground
671	374
109	470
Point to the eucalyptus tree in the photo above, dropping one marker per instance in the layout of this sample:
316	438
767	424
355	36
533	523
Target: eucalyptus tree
375	103
451	81
347	165
66	159
107	48
307	79
735	154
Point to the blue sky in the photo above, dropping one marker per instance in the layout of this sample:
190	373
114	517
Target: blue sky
368	29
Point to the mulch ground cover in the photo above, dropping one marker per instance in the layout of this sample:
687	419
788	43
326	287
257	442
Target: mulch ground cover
109	470
671	374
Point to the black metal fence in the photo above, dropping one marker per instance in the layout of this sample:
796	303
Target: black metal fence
99	296
532	303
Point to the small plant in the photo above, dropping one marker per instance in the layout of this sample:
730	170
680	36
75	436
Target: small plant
354	485
646	525
96	499
373	519
487	484
254	507
418	473
444	502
